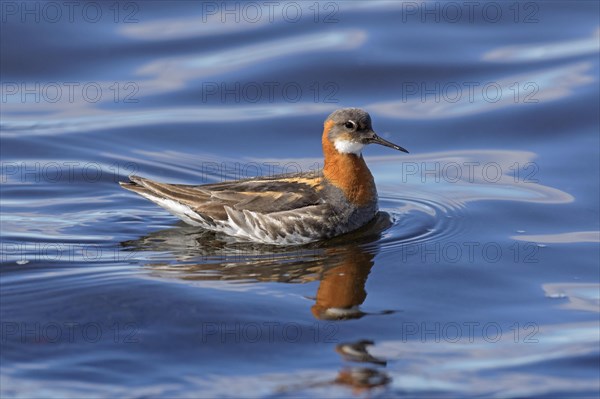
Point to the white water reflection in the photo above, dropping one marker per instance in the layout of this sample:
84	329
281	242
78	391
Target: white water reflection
215	18
60	123
580	296
545	51
470	98
173	72
459	177
561	238
424	365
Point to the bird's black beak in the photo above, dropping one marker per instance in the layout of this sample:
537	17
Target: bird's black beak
375	139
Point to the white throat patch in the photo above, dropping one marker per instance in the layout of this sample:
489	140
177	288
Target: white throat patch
348	147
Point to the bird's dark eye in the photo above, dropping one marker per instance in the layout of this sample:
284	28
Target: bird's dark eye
350	125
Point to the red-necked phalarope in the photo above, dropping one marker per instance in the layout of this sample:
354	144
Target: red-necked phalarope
291	208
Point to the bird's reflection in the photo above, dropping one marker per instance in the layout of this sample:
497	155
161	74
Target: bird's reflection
361	378
358	352
342	265
342	287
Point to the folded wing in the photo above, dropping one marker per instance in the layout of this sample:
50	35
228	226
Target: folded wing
263	196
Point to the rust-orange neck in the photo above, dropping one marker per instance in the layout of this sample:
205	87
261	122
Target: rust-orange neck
348	172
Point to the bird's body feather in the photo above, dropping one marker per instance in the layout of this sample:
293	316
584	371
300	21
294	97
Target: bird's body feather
282	209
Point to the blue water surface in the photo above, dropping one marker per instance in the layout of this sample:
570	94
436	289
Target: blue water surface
480	278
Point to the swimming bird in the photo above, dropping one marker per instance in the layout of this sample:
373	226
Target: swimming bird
291	208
